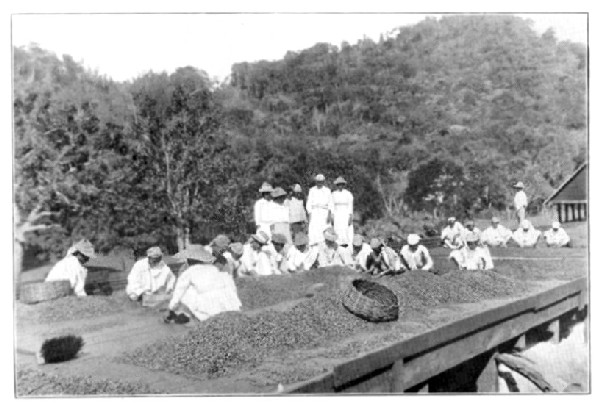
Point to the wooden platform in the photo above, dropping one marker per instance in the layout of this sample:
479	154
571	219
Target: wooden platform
470	344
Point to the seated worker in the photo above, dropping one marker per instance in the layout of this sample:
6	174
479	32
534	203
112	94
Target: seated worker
71	267
414	255
496	235
278	254
329	252
557	236
383	260
202	290
257	256
472	256
150	275
470	227
233	256
452	234
526	235
217	247
300	257
360	253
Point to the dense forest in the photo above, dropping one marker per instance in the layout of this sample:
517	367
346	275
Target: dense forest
440	117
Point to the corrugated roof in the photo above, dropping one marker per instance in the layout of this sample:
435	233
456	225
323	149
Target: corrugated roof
573	188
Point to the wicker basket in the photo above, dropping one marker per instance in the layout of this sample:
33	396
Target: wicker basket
44	291
371	301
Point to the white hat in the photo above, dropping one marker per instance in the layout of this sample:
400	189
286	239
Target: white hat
296	188
413	239
261	237
319	177
237	248
519	185
339	180
357	240
451	219
525	224
265	188
330	235
278	192
154	252
555	225
495	220
84	247
471	237
196	252
375	243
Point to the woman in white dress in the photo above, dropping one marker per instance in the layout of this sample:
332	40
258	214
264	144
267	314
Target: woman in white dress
343	209
319	207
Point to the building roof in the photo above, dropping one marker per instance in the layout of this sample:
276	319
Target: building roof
573	188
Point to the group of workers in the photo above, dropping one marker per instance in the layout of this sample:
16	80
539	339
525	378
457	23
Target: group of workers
205	285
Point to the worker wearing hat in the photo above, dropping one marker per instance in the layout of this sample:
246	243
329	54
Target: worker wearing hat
202	290
343	212
330	252
280	214
360	253
256	258
414	255
452	234
471	228
217	247
233	256
472	256
263	209
526	235
150	276
278	253
71	267
382	260
557	236
301	257
520	202
295	204
496	234
319	207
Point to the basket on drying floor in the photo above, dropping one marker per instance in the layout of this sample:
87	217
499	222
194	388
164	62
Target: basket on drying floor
371	301
31	293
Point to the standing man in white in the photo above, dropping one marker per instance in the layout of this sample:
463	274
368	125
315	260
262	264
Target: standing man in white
343	209
520	202
319	207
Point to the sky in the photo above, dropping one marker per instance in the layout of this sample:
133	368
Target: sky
124	46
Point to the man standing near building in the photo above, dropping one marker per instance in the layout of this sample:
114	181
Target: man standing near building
343	209
319	207
297	212
520	202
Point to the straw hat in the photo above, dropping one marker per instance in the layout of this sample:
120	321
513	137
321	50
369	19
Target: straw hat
525	224
278	192
339	180
319	177
236	248
357	240
555	225
279	238
261	237
330	235
495	220
301	239
375	243
296	188
221	241
84	247
519	185
196	252
154	252
265	188
413	239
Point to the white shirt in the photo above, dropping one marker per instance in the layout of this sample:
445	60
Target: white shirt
301	261
145	279
259	261
453	233
520	200
472	259
205	291
297	211
330	256
496	236
71	270
420	259
526	239
556	238
343	202
319	198
279	213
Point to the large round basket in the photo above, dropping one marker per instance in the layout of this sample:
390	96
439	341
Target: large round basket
371	301
32	293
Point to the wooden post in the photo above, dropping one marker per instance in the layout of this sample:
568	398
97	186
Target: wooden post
586	327
554	328
585	211
487	381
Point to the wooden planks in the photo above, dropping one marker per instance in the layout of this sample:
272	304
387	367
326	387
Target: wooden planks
415	360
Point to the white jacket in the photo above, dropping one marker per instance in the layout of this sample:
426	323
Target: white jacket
556	238
144	279
71	270
473	259
496	236
417	260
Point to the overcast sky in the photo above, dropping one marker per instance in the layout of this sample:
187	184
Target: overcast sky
124	46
